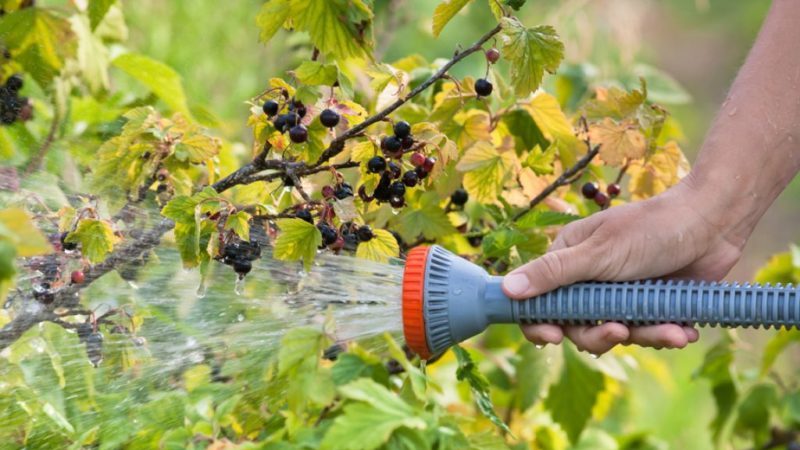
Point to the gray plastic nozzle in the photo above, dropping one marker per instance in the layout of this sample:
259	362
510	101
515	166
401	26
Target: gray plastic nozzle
461	300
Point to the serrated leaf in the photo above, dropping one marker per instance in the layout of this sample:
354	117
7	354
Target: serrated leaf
444	12
485	171
239	223
314	73
341	28
162	80
538	219
92	55
549	117
298	240
499	242
96	237
571	399
479	386
271	18
618	141
39	40
614	103
658	172
381	247
299	347
717	369
530	51
423	216
754	410
468	127
98	10
541	162
17	228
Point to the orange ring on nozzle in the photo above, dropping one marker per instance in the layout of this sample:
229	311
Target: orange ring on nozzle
414	301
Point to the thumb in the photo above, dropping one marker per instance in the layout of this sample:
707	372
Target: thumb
551	270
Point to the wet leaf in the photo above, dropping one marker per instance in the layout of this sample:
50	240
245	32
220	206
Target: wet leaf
297	241
381	247
96	237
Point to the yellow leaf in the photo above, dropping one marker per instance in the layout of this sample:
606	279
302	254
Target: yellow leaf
615	103
239	223
662	170
549	117
618	142
298	240
380	248
17	226
445	12
468	127
485	171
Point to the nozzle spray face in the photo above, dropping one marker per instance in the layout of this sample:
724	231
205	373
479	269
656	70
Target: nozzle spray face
447	299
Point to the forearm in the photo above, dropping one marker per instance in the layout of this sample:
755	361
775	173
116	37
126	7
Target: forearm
752	150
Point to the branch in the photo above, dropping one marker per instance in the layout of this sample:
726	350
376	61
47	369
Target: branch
337	145
563	180
36	162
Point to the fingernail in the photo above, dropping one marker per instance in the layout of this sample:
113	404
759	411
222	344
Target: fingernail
516	283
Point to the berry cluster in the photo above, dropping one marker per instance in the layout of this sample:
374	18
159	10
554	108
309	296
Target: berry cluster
592	191
291	120
12	106
240	255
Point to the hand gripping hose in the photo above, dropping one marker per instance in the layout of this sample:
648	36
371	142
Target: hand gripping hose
447	299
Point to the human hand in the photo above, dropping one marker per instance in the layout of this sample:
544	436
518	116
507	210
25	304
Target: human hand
667	236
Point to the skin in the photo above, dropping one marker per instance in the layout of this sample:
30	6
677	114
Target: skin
698	228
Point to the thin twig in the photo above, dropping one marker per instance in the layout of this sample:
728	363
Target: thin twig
36	162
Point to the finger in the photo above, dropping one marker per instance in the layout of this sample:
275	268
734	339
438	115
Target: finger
597	339
552	270
543	334
661	336
692	334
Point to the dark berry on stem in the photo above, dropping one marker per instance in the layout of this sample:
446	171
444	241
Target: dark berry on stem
395	170
410	178
397	202
428	164
280	122
343	191
376	164
288	181
417	159
298	134
14	83
589	190
402	129
475	241
364	233
329	234
408	142
493	55
613	190
305	215
483	87
242	266
77	277
301	111
391	144
327	191
459	197
421	173
162	174
397	189
601	199
329	118
382	190
270	108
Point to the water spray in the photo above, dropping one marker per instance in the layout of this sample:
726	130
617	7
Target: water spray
447	299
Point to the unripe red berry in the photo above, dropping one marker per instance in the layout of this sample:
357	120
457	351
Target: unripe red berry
77	277
417	159
493	55
613	190
601	199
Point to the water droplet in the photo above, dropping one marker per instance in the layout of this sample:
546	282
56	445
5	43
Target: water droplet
593	356
240	317
539	346
201	290
69	252
302	274
133	285
238	287
395	211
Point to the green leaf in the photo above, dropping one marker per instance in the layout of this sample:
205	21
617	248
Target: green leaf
96	237
776	346
571	399
717	368
485	171
299	346
381	247
370	422
271	18
423	216
348	367
754	410
98	10
17	228
530	51
239	223
7	269
298	240
196	147
162	80
531	371
479	386
499	242
341	28
315	73
39	40
541	162
444	12
538	219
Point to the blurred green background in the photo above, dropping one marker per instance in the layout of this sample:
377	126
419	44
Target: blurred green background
701	43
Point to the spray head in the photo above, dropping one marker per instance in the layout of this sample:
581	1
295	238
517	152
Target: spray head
447	299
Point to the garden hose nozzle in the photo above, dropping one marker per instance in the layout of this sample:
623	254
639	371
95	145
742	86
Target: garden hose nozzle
447	299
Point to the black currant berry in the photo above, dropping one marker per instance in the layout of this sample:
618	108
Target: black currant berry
270	108
475	241
280	123
421	173
391	145
410	178
397	202
408	142
459	197
483	87
301	111
601	199
329	118
402	129
305	215
332	353
493	55
329	234
397	189
589	190
343	191
242	267
395	170
428	164
364	233
298	134
382	190
376	164
613	190
14	83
